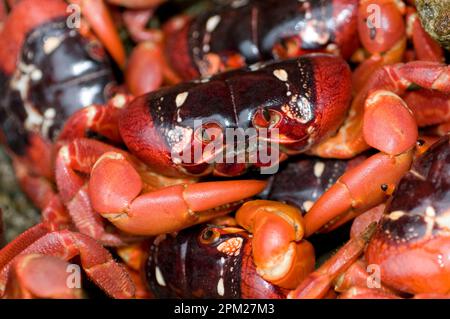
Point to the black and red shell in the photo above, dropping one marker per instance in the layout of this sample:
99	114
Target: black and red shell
305	99
47	71
412	244
206	262
251	29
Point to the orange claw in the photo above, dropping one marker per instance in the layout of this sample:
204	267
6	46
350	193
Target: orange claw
115	189
359	189
279	253
388	124
318	283
397	78
370	65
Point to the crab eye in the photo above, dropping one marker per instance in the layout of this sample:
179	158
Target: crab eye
265	118
209	236
208	132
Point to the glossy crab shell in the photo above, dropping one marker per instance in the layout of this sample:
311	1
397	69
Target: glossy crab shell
251	30
306	99
206	262
47	71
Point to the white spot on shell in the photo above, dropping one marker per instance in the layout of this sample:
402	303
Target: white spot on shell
239	3
220	287
159	277
281	75
319	168
395	215
307	205
51	43
119	101
212	23
430	212
181	98
36	75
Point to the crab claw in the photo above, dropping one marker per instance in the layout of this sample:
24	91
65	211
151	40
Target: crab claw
121	199
396	79
358	190
279	253
389	126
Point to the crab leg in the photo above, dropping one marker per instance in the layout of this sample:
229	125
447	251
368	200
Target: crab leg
396	79
100	119
165	210
279	253
50	281
75	158
425	47
123	199
136	4
96	261
99	18
373	181
440	112
318	283
366	293
358	275
2	229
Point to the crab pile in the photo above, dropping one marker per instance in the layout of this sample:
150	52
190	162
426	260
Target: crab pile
335	182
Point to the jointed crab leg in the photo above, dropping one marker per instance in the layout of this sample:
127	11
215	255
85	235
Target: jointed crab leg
373	181
396	79
40	276
386	124
318	283
96	261
124	198
100	20
166	210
